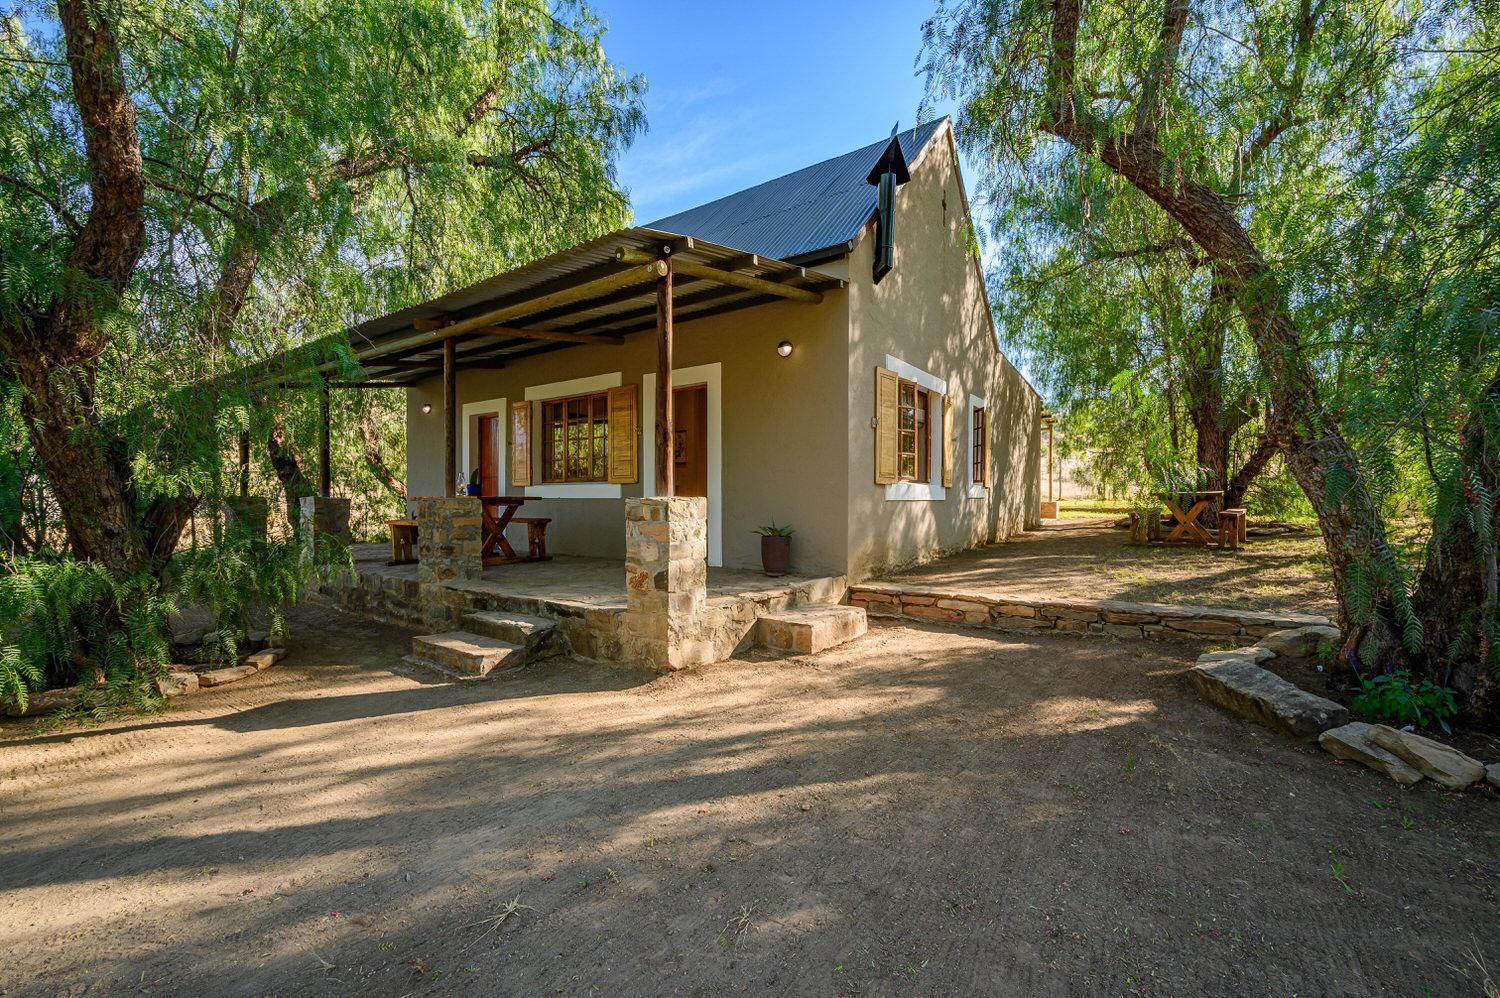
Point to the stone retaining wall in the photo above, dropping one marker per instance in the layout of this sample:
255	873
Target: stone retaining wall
1080	616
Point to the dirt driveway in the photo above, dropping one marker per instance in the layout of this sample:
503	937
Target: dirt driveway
924	812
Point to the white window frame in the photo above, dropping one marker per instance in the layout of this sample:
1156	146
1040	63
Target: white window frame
978	490
711	375
537	394
932	489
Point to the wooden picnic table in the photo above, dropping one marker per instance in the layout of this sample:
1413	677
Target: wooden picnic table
1188	529
497	513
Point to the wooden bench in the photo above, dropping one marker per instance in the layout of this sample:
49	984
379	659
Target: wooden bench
403	542
536	536
1232	528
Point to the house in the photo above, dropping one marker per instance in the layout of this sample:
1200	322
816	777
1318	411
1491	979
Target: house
832	360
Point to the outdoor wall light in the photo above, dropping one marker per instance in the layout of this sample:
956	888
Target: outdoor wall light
784	348
426	407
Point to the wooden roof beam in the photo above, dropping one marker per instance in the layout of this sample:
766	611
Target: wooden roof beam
757	284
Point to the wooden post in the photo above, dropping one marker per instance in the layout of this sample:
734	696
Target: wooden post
450	443
325	471
244	464
664	428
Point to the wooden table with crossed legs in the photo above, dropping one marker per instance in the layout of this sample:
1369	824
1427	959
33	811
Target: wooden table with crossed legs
497	513
1188	530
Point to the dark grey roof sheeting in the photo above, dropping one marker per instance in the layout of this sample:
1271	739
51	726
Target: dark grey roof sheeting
798	215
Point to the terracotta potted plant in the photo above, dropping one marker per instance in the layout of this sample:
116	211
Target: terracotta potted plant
775	549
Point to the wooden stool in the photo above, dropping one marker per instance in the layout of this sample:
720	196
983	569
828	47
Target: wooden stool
1231	528
403	542
1244	518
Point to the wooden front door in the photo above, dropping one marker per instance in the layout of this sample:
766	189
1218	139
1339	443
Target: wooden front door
690	449
489	455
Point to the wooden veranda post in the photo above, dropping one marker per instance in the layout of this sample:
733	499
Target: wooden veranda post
325	473
664	427
450	443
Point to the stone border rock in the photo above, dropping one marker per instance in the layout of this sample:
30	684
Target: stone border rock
178	681
1115	618
1236	680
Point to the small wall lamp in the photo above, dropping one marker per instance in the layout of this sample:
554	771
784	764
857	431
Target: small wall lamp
426	407
784	348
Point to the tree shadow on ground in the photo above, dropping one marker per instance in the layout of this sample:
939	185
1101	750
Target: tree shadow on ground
923	811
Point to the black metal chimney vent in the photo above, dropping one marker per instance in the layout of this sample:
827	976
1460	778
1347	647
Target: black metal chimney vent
888	173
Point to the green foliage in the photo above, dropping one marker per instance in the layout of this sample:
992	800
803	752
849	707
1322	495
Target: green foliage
772	530
64	622
1359	145
1398	699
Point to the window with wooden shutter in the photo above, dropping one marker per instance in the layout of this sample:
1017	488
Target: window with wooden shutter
520	443
887	420
624	457
947	442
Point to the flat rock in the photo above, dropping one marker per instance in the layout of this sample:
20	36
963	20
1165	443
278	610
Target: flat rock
1245	688
1492	774
1442	764
264	659
43	702
1254	653
175	684
1299	642
1352	742
218	677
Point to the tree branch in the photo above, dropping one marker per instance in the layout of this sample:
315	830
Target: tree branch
1163	68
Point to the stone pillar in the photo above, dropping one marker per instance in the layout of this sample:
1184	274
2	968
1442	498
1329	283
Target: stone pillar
450	544
323	516
666	581
250	514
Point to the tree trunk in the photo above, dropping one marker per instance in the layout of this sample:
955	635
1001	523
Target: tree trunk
370	437
1265	449
1457	597
289	472
1325	466
54	353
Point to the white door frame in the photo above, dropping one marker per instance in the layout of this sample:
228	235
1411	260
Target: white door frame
472	410
712	376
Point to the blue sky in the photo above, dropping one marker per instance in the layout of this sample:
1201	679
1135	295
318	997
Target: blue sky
743	92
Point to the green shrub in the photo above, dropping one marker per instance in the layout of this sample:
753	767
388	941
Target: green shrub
1397	698
64	622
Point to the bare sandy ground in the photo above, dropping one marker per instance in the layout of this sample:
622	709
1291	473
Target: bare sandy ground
923	812
1092	559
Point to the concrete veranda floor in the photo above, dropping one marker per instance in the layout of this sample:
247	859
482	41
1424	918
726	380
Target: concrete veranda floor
920	812
598	582
1092	559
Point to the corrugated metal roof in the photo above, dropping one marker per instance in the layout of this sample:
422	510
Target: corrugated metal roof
812	209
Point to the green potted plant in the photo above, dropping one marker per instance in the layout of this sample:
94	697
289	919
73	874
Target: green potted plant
775	549
473	487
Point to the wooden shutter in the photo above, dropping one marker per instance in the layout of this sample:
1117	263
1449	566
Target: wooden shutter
520	443
947	441
887	421
624	441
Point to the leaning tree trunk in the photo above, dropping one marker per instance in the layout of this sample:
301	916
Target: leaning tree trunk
1326	467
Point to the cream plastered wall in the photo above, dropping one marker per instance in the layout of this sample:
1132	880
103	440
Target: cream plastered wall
930	312
783	430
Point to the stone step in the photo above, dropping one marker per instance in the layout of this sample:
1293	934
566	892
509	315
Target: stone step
809	629
465	652
521	629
